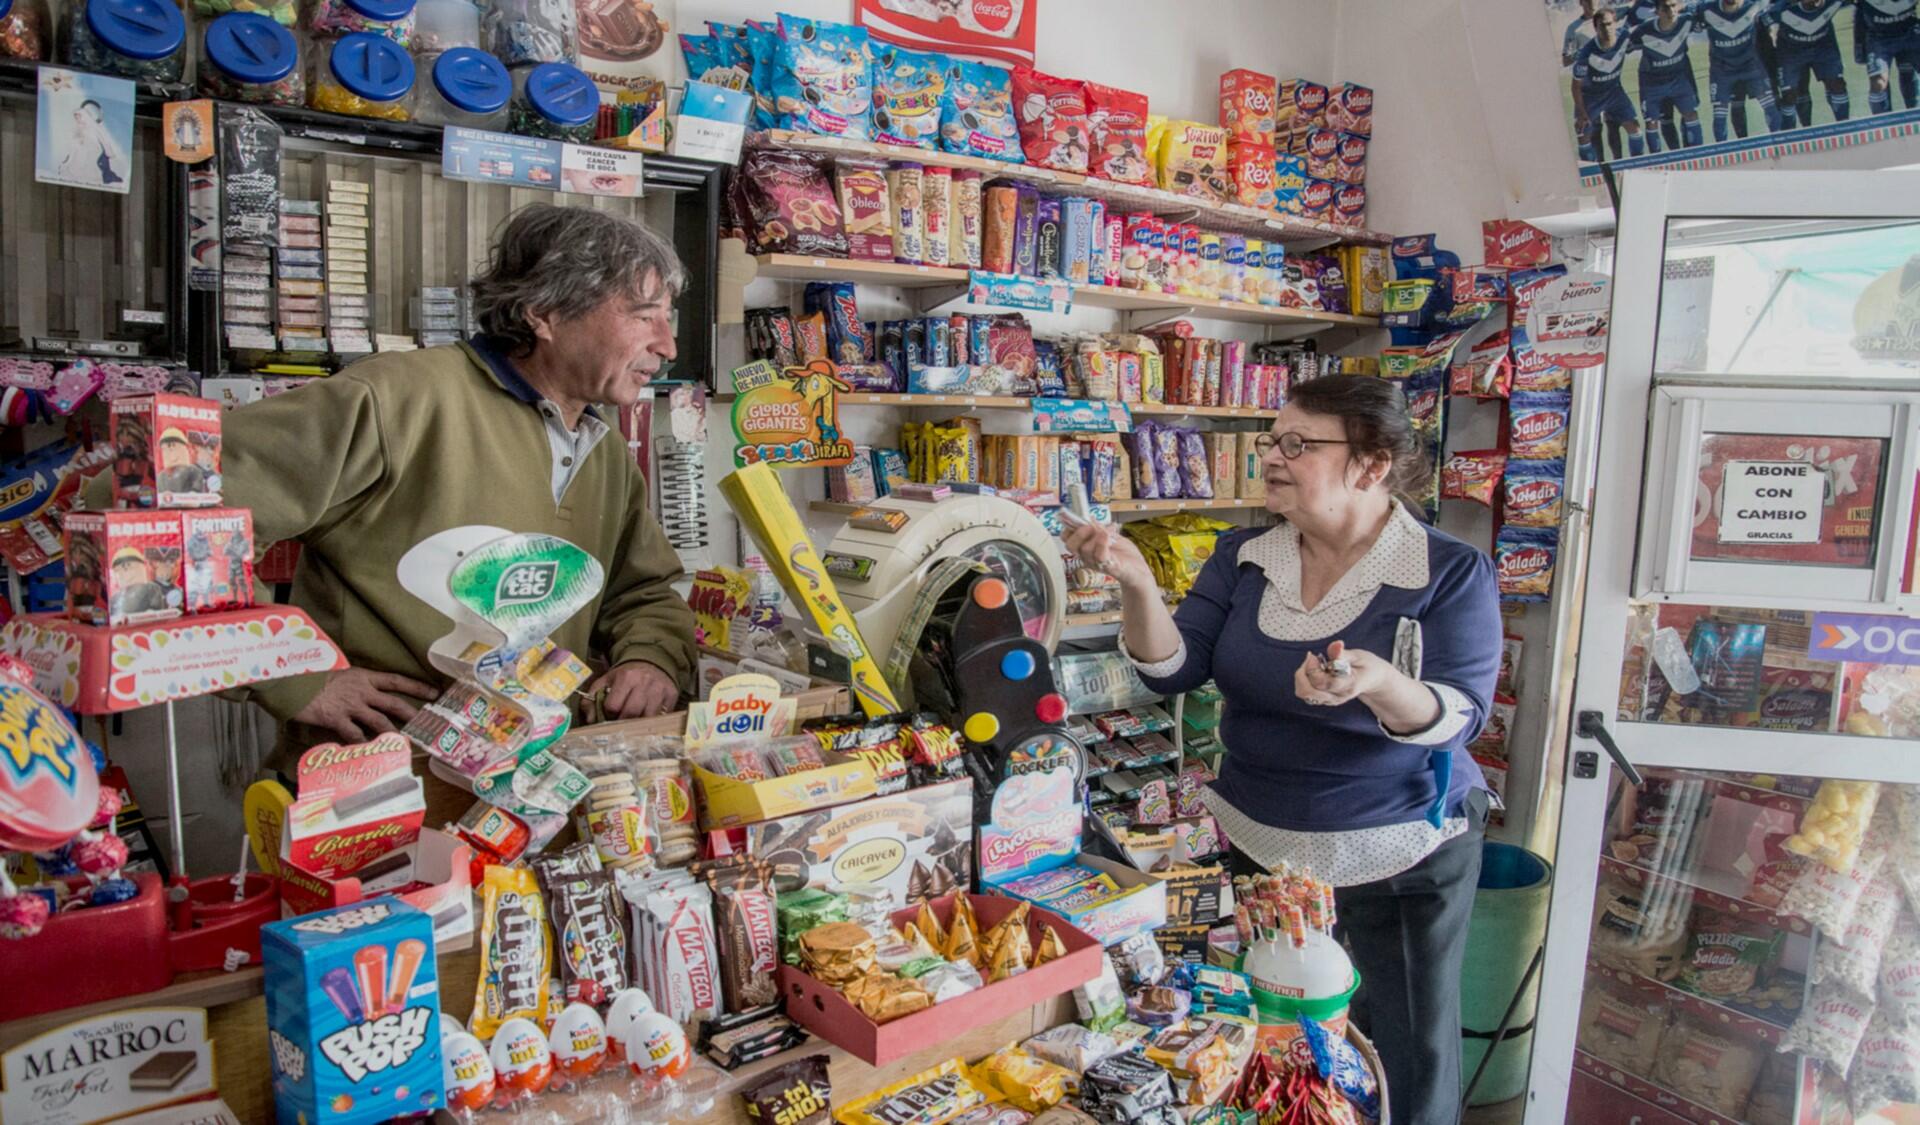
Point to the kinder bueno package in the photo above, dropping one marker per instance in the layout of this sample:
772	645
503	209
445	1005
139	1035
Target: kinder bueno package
1350	109
1512	244
123	568
1052	114
1322	150
1523	560
1349	205
1538	424
1117	120
1248	104
1252	167
1535	493
219	558
166	452
1350	164
1303	108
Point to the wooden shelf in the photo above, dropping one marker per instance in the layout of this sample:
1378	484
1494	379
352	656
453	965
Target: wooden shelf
1183	505
1226	217
1005	402
798	267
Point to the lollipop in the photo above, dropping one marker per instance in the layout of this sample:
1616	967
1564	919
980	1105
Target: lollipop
108	809
99	855
21	915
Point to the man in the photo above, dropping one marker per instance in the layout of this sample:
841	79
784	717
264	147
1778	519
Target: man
1667	83
1735	71
1887	39
1808	48
575	312
1578	34
1598	96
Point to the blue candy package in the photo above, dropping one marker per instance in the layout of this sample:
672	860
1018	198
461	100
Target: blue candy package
763	43
1523	560
1538	423
821	79
732	41
976	113
1535	493
907	89
1340	1063
353	1013
704	56
1417	255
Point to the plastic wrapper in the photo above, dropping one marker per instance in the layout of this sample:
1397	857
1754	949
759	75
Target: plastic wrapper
790	205
515	958
837	953
1899	985
1126	1089
523	32
1538	425
1727	955
1164	451
1886	1066
1053	120
1621	1027
1341	1065
950	979
1524	560
1196	472
1704	1065
1828	898
1535	493
1637	931
1072	1047
908	87
794	1093
1117	120
883	996
1100	1002
800	911
340	17
821	82
1851	957
739	761
1472	475
1030	1082
976	114
1836	822
931	1097
745	928
1830	1027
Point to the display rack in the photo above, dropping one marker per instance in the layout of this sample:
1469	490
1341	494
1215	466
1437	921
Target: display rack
1298	233
1011	402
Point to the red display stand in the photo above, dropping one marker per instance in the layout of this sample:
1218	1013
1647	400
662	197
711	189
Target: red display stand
84	956
93	670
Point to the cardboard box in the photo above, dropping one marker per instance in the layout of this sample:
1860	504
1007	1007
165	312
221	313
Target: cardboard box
1249	102
1142	910
219	558
353	1007
727	801
123	568
917	844
439	861
1197	896
356	803
822	1010
1251	480
166	452
1223	457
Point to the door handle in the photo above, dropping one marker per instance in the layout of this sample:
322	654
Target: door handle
1593	724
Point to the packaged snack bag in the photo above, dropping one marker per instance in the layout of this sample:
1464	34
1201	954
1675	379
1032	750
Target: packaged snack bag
1472	475
1193	161
821	79
1117	120
1535	493
1524	560
976	113
908	87
1055	131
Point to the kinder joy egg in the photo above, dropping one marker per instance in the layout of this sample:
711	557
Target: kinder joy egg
629	1004
450	1025
657	1048
578	1041
522	1061
466	1071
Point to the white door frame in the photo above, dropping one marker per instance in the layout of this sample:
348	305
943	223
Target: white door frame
1647	200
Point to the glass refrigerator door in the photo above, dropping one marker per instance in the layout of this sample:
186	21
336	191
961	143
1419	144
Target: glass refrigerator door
1733	932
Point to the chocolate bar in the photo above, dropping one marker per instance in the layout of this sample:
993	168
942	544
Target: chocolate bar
353	804
163	1071
385	873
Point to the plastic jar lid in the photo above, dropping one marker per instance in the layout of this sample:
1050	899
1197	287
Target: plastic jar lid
252	48
562	93
372	66
472	80
383	11
138	29
5	7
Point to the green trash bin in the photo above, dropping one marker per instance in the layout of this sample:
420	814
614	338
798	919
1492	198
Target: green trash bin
1509	923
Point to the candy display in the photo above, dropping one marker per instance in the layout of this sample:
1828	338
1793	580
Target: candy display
555	101
139	39
362	74
247	57
392	19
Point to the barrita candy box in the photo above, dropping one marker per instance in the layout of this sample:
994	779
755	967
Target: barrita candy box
123	568
353	1014
166	452
219	558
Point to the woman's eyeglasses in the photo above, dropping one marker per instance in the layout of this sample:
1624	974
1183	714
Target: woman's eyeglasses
1291	444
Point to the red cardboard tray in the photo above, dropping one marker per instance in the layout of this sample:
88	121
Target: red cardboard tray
822	1010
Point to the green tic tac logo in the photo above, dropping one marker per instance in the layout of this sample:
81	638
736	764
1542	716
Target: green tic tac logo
525	583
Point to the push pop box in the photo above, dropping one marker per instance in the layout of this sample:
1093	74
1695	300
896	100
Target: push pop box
353	1014
166	452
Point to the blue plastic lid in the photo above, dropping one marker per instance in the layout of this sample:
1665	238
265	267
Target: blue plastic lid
372	66
472	80
252	48
562	93
138	29
383	11
5	7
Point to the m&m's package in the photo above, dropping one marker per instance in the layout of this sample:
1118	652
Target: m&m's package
353	1013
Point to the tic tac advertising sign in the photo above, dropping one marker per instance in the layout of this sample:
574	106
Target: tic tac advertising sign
788	418
1771	502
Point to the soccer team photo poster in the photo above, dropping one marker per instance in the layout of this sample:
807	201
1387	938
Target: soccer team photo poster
1707	83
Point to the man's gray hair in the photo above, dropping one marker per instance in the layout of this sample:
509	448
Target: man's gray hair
565	262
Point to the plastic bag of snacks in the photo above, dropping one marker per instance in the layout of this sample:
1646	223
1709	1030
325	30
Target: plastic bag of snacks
1638	931
821	81
1899	990
795	1093
1118	122
1621	1027
1029	1082
1708	1066
1052	116
908	87
1836	822
1886	1066
519	32
1472	475
976	113
790	206
1830	1027
1851	957
1828	898
932	1096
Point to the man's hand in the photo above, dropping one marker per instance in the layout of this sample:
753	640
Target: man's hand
358	704
635	690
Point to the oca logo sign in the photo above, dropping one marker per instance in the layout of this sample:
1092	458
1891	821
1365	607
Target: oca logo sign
1864	637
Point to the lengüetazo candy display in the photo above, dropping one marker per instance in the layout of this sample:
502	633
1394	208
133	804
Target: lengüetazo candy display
166	452
353	1014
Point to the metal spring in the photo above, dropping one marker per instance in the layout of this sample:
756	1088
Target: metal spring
683	497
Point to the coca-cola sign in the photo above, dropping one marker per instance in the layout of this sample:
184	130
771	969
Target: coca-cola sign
998	30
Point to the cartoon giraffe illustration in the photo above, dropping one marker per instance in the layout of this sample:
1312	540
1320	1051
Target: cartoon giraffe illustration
816	384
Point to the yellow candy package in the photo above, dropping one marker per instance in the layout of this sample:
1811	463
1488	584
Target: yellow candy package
1031	1083
515	959
927	1098
1835	823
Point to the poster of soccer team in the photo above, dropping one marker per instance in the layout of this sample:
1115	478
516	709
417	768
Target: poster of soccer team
1701	83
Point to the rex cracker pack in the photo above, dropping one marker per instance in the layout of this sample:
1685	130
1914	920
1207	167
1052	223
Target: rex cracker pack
1248	101
166	452
353	1014
1252	167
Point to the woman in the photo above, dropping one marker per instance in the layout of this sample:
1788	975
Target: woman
92	152
1356	649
